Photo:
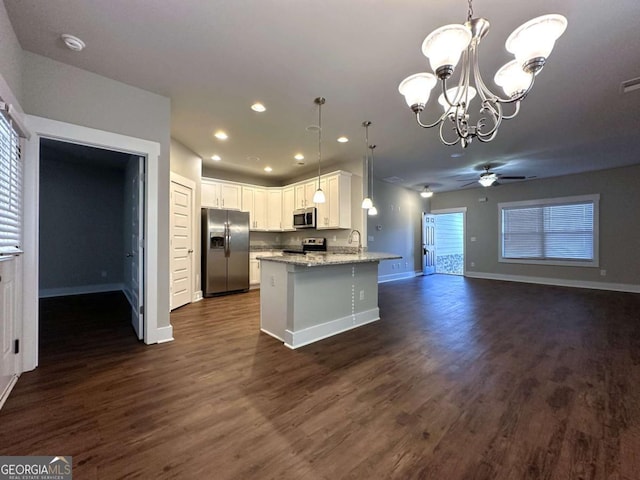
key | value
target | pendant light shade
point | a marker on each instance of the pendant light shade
(367, 203)
(319, 197)
(372, 212)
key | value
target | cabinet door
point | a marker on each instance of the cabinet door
(300, 196)
(322, 218)
(260, 208)
(230, 195)
(254, 272)
(288, 206)
(247, 205)
(309, 189)
(209, 197)
(333, 205)
(274, 210)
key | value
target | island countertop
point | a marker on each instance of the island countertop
(318, 259)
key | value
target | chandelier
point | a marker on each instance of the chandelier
(531, 44)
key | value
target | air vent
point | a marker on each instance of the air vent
(630, 85)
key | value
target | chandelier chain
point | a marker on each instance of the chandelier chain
(470, 11)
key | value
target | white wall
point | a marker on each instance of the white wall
(619, 225)
(10, 56)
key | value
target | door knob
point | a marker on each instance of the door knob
(190, 250)
(129, 254)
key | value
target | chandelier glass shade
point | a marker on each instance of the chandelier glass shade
(426, 192)
(488, 179)
(445, 47)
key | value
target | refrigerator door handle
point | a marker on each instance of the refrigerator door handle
(227, 240)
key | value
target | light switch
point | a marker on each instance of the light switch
(473, 239)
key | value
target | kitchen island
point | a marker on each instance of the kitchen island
(305, 298)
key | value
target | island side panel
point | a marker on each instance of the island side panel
(273, 298)
(326, 301)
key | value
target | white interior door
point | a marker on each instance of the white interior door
(137, 250)
(8, 363)
(428, 244)
(181, 244)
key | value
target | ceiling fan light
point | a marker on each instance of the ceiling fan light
(512, 78)
(455, 97)
(416, 88)
(444, 45)
(372, 212)
(319, 197)
(367, 203)
(536, 38)
(487, 180)
(426, 193)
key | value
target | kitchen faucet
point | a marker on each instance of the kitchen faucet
(350, 240)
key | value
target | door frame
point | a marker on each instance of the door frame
(462, 210)
(196, 293)
(46, 128)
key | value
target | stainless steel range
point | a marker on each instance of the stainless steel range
(312, 244)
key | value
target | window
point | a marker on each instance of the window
(558, 231)
(10, 189)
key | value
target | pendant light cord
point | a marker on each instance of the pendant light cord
(320, 101)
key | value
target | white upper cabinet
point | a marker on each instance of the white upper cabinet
(304, 194)
(288, 206)
(217, 194)
(336, 211)
(254, 201)
(274, 209)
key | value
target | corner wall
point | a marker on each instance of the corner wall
(619, 225)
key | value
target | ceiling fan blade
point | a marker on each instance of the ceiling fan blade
(466, 179)
(512, 178)
(467, 184)
(495, 184)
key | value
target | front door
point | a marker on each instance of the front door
(181, 244)
(428, 244)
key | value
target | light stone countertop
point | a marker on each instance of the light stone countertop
(319, 259)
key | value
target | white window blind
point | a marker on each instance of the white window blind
(553, 231)
(10, 189)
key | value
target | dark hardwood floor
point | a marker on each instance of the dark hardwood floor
(461, 379)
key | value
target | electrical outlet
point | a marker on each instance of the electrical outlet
(335, 238)
(361, 294)
(273, 280)
(473, 264)
(103, 274)
(370, 238)
(473, 239)
(603, 273)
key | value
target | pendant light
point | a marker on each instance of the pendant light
(318, 197)
(366, 202)
(373, 211)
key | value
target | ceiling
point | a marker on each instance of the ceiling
(214, 59)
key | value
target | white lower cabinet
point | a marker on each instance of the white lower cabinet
(254, 271)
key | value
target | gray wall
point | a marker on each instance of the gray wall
(81, 224)
(10, 55)
(186, 163)
(619, 226)
(399, 217)
(58, 91)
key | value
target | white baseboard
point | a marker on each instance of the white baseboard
(7, 391)
(309, 335)
(559, 282)
(197, 296)
(397, 276)
(272, 334)
(80, 290)
(164, 334)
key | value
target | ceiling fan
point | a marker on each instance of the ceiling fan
(490, 179)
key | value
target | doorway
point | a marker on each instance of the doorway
(91, 216)
(443, 234)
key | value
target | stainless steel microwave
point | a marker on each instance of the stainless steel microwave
(304, 218)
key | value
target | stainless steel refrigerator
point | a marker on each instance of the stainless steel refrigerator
(225, 251)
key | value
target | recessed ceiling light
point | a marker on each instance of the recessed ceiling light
(220, 135)
(216, 158)
(258, 107)
(268, 169)
(72, 42)
(299, 156)
(343, 139)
